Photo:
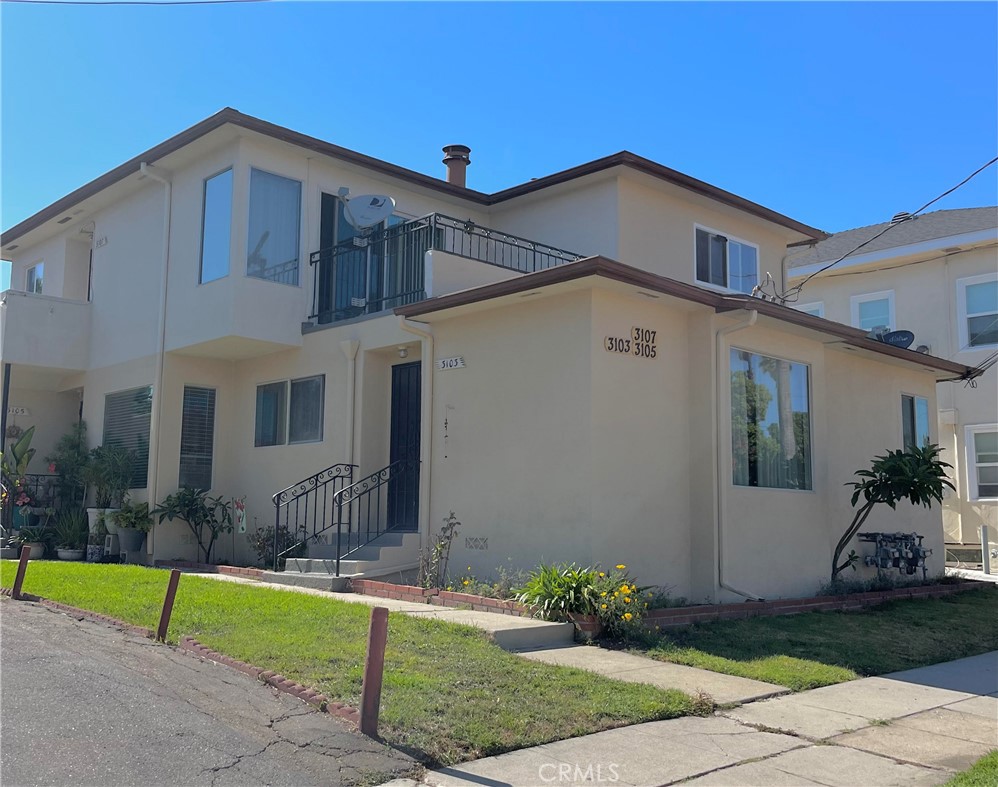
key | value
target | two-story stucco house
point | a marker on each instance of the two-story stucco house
(574, 365)
(935, 275)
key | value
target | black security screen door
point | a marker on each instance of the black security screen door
(403, 488)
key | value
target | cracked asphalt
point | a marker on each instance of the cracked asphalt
(83, 703)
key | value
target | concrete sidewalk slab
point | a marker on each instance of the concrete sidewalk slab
(794, 716)
(837, 766)
(932, 749)
(955, 724)
(979, 706)
(725, 689)
(973, 675)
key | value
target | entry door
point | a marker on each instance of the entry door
(403, 487)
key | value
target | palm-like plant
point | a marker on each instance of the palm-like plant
(916, 475)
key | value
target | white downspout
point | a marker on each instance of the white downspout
(720, 367)
(350, 348)
(162, 176)
(426, 439)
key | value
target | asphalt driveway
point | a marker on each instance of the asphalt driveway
(82, 703)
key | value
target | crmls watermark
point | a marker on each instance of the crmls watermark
(593, 773)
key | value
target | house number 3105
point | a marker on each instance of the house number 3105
(641, 343)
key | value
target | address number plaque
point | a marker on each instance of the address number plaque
(640, 343)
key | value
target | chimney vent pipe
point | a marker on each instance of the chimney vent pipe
(457, 158)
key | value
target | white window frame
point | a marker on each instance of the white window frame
(204, 205)
(27, 274)
(856, 300)
(971, 454)
(730, 237)
(916, 398)
(817, 306)
(961, 308)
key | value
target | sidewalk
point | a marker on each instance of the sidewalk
(908, 728)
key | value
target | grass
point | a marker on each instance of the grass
(821, 648)
(983, 773)
(449, 693)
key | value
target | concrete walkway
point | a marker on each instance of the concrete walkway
(553, 643)
(908, 728)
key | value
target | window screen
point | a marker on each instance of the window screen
(127, 416)
(306, 410)
(197, 433)
(271, 413)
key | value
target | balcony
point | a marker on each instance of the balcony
(416, 260)
(39, 330)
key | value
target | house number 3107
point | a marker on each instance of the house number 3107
(641, 343)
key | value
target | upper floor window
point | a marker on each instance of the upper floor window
(216, 223)
(274, 222)
(816, 309)
(770, 422)
(726, 262)
(914, 422)
(982, 467)
(977, 303)
(33, 279)
(873, 310)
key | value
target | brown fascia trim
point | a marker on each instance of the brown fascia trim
(283, 134)
(618, 271)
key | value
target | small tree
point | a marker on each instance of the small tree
(207, 517)
(916, 475)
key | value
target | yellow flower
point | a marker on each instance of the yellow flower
(602, 574)
(469, 568)
(621, 566)
(466, 583)
(624, 589)
(627, 599)
(602, 606)
(628, 616)
(603, 594)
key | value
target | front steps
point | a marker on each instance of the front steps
(389, 554)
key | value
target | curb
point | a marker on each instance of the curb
(190, 645)
(306, 694)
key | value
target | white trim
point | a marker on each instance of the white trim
(971, 454)
(816, 308)
(894, 252)
(204, 206)
(856, 300)
(33, 267)
(961, 310)
(736, 239)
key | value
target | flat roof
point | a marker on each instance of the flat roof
(720, 302)
(234, 117)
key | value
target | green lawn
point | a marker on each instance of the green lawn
(983, 773)
(820, 648)
(449, 693)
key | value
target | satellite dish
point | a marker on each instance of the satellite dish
(368, 210)
(902, 339)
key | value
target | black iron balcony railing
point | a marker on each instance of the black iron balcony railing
(386, 269)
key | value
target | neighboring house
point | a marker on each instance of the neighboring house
(213, 309)
(935, 275)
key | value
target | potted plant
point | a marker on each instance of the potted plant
(95, 542)
(132, 521)
(37, 538)
(70, 534)
(109, 472)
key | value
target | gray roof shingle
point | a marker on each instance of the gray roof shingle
(928, 226)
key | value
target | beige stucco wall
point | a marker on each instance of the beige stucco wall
(52, 413)
(925, 302)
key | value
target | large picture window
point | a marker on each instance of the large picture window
(216, 223)
(274, 221)
(197, 437)
(770, 422)
(726, 262)
(127, 415)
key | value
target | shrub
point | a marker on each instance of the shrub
(619, 602)
(556, 591)
(262, 542)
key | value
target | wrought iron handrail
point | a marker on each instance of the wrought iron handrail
(385, 269)
(304, 498)
(398, 484)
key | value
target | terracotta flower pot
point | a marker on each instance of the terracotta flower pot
(587, 627)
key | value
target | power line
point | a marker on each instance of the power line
(133, 2)
(794, 292)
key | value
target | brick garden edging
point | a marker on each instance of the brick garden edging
(672, 617)
(211, 568)
(274, 679)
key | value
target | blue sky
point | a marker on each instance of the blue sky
(838, 115)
